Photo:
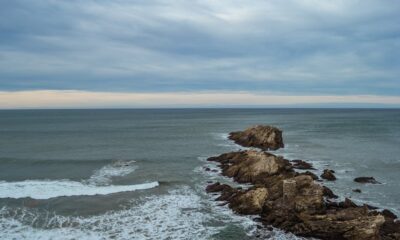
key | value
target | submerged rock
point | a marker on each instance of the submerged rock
(328, 175)
(260, 136)
(366, 180)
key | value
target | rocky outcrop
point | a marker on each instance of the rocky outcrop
(250, 166)
(295, 201)
(300, 164)
(260, 136)
(366, 180)
(328, 175)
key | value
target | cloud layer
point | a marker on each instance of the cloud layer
(290, 47)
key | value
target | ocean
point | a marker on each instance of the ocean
(140, 174)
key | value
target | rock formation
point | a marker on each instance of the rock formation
(366, 180)
(260, 136)
(300, 164)
(328, 175)
(294, 201)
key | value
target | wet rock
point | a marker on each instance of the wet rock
(328, 192)
(217, 187)
(207, 169)
(328, 175)
(300, 164)
(260, 136)
(357, 190)
(366, 180)
(388, 214)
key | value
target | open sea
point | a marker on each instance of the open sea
(139, 174)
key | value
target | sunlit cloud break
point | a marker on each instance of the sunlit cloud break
(87, 99)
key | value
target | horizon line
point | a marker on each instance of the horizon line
(78, 99)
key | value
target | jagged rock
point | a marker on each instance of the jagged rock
(251, 165)
(328, 175)
(249, 202)
(328, 192)
(389, 214)
(366, 180)
(217, 187)
(339, 225)
(347, 204)
(357, 190)
(300, 164)
(260, 136)
(315, 177)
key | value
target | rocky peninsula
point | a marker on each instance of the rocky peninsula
(290, 200)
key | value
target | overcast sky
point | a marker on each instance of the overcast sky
(306, 49)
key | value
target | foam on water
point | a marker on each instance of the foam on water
(180, 214)
(119, 168)
(39, 189)
(98, 184)
(175, 215)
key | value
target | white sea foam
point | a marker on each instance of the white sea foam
(180, 214)
(39, 189)
(98, 184)
(119, 168)
(175, 215)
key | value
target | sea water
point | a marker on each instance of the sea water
(139, 174)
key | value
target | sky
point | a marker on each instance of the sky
(157, 53)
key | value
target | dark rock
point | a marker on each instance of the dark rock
(207, 169)
(349, 204)
(388, 214)
(328, 175)
(260, 136)
(315, 177)
(217, 187)
(328, 193)
(300, 164)
(366, 180)
(370, 207)
(357, 190)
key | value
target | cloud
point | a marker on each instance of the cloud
(85, 99)
(302, 47)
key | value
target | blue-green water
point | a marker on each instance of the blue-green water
(138, 174)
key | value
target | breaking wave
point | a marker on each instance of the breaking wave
(46, 189)
(98, 184)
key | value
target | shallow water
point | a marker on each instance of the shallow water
(139, 174)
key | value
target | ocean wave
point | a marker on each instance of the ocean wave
(180, 214)
(118, 168)
(175, 215)
(45, 189)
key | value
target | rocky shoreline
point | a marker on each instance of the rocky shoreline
(294, 201)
